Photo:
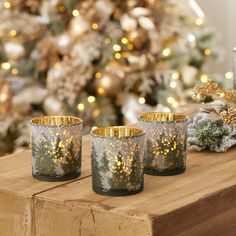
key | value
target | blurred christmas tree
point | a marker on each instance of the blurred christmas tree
(104, 61)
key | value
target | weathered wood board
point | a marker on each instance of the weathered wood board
(202, 201)
(17, 189)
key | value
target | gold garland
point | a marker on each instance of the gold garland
(228, 116)
(213, 89)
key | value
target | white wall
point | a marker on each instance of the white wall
(222, 16)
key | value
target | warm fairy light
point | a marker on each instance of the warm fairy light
(130, 46)
(222, 94)
(80, 107)
(75, 12)
(107, 40)
(98, 75)
(175, 75)
(3, 97)
(101, 91)
(91, 99)
(173, 84)
(94, 127)
(124, 40)
(14, 71)
(94, 26)
(204, 78)
(170, 99)
(207, 52)
(96, 113)
(166, 52)
(7, 4)
(175, 104)
(141, 100)
(6, 65)
(12, 33)
(191, 38)
(199, 22)
(117, 55)
(229, 75)
(116, 47)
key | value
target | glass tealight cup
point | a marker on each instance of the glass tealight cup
(56, 143)
(117, 160)
(165, 149)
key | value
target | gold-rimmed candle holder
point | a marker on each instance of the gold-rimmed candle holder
(165, 151)
(56, 147)
(117, 160)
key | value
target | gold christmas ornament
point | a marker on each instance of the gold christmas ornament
(138, 38)
(108, 83)
(5, 98)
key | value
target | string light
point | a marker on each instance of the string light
(96, 113)
(91, 99)
(117, 55)
(94, 127)
(80, 107)
(14, 71)
(207, 52)
(124, 40)
(94, 26)
(130, 46)
(175, 75)
(98, 75)
(229, 75)
(12, 33)
(175, 104)
(173, 84)
(101, 91)
(107, 40)
(204, 78)
(7, 5)
(199, 22)
(6, 65)
(170, 100)
(75, 13)
(166, 52)
(116, 47)
(141, 100)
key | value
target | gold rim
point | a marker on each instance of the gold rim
(117, 132)
(55, 121)
(162, 117)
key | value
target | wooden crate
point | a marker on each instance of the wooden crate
(202, 201)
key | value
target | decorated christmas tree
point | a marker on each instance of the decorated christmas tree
(102, 60)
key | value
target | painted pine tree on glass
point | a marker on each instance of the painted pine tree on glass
(96, 177)
(119, 180)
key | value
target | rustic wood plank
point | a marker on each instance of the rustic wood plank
(17, 187)
(198, 202)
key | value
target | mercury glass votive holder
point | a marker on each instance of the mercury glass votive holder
(56, 143)
(117, 160)
(165, 149)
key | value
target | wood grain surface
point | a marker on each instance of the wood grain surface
(17, 189)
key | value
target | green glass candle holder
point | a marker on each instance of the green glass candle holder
(165, 152)
(56, 147)
(117, 160)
